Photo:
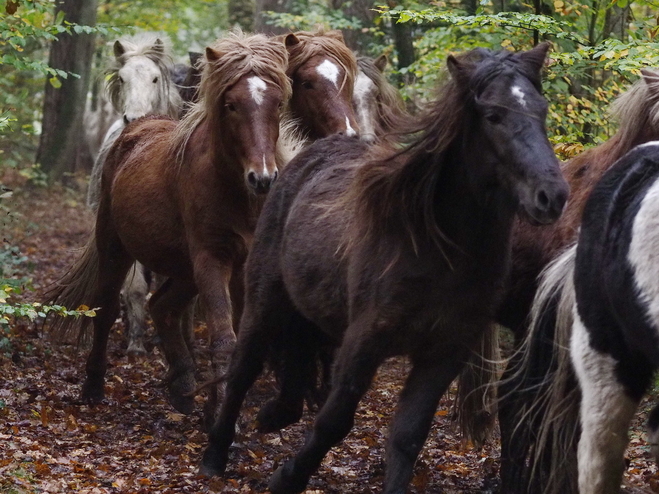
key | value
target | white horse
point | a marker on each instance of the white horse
(139, 83)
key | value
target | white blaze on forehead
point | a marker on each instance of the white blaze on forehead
(519, 94)
(256, 88)
(329, 71)
(363, 86)
(349, 130)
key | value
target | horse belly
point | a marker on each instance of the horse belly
(148, 221)
(313, 272)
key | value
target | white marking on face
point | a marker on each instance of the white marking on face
(364, 88)
(330, 71)
(140, 96)
(349, 130)
(606, 412)
(519, 94)
(257, 87)
(642, 255)
(265, 167)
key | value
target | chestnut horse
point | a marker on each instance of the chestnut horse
(533, 249)
(183, 199)
(392, 252)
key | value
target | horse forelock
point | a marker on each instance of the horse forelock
(238, 56)
(143, 45)
(320, 44)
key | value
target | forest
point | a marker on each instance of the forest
(57, 112)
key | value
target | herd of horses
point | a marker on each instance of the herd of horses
(281, 182)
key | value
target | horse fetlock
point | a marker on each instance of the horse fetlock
(286, 481)
(180, 389)
(214, 461)
(277, 414)
(93, 390)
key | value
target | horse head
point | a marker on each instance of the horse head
(140, 80)
(323, 72)
(507, 128)
(245, 83)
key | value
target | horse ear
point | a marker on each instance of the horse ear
(455, 68)
(119, 49)
(212, 55)
(536, 57)
(336, 34)
(650, 77)
(194, 56)
(381, 62)
(159, 46)
(291, 40)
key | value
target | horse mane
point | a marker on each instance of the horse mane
(237, 55)
(392, 114)
(637, 113)
(398, 187)
(143, 44)
(327, 43)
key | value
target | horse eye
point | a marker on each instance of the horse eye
(121, 79)
(493, 118)
(230, 107)
(155, 79)
(307, 85)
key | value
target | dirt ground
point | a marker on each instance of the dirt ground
(135, 442)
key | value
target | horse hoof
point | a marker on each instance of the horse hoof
(179, 389)
(275, 415)
(283, 481)
(213, 463)
(92, 393)
(136, 350)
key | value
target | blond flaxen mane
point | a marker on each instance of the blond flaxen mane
(236, 55)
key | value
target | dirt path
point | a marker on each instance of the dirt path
(135, 442)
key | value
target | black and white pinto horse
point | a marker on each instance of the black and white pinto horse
(602, 295)
(139, 84)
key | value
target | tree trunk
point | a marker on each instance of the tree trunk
(62, 140)
(261, 6)
(404, 43)
(241, 13)
(357, 39)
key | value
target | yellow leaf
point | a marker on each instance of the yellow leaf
(83, 307)
(558, 4)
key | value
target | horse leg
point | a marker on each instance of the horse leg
(113, 265)
(606, 412)
(135, 290)
(167, 306)
(357, 361)
(415, 411)
(297, 375)
(213, 281)
(266, 306)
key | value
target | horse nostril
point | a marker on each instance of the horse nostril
(542, 200)
(275, 175)
(252, 180)
(126, 121)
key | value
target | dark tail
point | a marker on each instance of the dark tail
(476, 398)
(543, 386)
(74, 289)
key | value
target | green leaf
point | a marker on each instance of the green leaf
(55, 82)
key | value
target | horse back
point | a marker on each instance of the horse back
(616, 281)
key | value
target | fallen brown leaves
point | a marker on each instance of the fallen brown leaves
(136, 443)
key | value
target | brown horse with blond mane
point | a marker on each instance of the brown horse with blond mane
(183, 199)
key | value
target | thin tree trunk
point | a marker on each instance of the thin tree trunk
(62, 132)
(357, 39)
(262, 6)
(241, 13)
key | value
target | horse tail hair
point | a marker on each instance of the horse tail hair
(475, 402)
(547, 391)
(73, 290)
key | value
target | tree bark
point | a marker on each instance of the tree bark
(62, 140)
(261, 6)
(241, 13)
(357, 39)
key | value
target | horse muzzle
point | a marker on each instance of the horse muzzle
(260, 183)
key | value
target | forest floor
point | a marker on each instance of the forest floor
(135, 442)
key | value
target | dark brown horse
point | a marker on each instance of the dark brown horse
(392, 252)
(533, 249)
(183, 199)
